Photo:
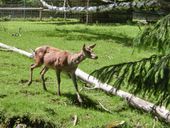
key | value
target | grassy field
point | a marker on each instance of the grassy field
(37, 108)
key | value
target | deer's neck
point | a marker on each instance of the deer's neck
(77, 58)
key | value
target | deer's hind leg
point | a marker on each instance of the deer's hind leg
(58, 72)
(43, 71)
(73, 77)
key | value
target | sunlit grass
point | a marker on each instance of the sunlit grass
(114, 45)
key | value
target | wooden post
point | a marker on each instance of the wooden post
(24, 10)
(87, 13)
(64, 5)
(40, 14)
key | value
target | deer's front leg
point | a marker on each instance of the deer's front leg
(43, 71)
(58, 81)
(73, 76)
(31, 72)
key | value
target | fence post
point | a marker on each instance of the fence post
(40, 13)
(64, 5)
(87, 13)
(24, 9)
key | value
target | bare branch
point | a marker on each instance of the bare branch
(105, 108)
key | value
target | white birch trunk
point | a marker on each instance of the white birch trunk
(16, 50)
(160, 111)
(101, 8)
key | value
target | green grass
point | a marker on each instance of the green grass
(18, 100)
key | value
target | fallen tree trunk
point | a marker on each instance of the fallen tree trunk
(101, 8)
(160, 111)
(16, 50)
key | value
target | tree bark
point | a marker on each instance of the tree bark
(101, 8)
(160, 111)
(16, 50)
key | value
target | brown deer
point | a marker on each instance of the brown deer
(60, 60)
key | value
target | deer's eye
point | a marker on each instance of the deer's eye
(88, 52)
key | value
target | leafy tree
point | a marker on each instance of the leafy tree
(148, 75)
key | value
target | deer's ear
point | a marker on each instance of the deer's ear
(92, 46)
(84, 47)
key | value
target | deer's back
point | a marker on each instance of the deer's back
(58, 60)
(54, 58)
(41, 51)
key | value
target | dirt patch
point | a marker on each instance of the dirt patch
(23, 81)
(3, 95)
(25, 122)
(27, 93)
(7, 64)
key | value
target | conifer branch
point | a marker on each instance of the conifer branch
(155, 37)
(148, 75)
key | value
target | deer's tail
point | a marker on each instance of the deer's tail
(32, 53)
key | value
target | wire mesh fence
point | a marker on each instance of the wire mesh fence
(24, 9)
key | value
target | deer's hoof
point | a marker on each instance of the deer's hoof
(45, 89)
(29, 83)
(79, 99)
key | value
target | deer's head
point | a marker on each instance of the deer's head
(88, 51)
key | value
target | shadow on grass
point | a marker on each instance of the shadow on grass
(88, 103)
(86, 34)
(26, 121)
(71, 22)
(61, 23)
